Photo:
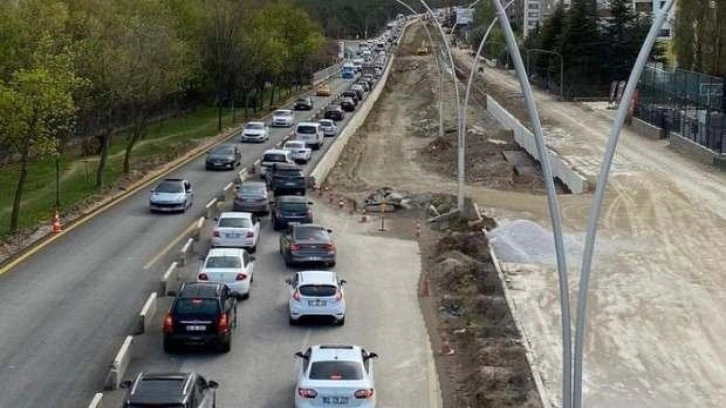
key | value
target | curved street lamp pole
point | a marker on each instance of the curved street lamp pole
(562, 66)
(602, 180)
(552, 201)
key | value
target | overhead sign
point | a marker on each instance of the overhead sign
(464, 16)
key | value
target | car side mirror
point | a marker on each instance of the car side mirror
(300, 354)
(288, 281)
(372, 355)
(216, 218)
(343, 281)
(125, 384)
(252, 258)
(152, 191)
(310, 203)
(213, 384)
(171, 293)
(329, 230)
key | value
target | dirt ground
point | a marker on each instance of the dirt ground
(461, 295)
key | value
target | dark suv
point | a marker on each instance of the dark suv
(179, 390)
(287, 209)
(286, 179)
(305, 103)
(202, 313)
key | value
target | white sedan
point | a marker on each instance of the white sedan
(283, 118)
(232, 266)
(255, 132)
(236, 230)
(328, 127)
(335, 375)
(298, 151)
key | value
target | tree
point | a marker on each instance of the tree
(37, 106)
(580, 48)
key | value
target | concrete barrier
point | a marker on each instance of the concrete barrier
(227, 192)
(327, 73)
(185, 252)
(169, 275)
(210, 210)
(96, 401)
(561, 169)
(146, 314)
(119, 365)
(326, 163)
(197, 231)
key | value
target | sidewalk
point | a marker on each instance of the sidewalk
(655, 311)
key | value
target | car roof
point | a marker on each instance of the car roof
(200, 290)
(258, 184)
(225, 252)
(327, 352)
(292, 199)
(275, 151)
(172, 180)
(318, 277)
(141, 391)
(235, 214)
(283, 111)
(308, 226)
(308, 124)
(256, 123)
(286, 166)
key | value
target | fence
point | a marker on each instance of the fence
(688, 103)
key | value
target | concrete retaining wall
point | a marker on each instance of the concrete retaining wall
(327, 73)
(561, 169)
(646, 129)
(692, 149)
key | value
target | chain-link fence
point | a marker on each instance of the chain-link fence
(688, 103)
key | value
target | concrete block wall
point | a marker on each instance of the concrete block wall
(646, 129)
(692, 149)
(561, 169)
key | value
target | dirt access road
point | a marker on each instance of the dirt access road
(656, 323)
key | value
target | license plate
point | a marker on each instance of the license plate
(196, 328)
(317, 303)
(233, 235)
(289, 183)
(315, 258)
(335, 400)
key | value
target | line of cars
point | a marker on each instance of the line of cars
(204, 312)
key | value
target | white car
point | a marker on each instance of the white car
(255, 132)
(298, 151)
(328, 127)
(271, 157)
(310, 133)
(232, 266)
(283, 118)
(335, 375)
(316, 293)
(236, 230)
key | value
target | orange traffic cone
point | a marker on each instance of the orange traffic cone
(418, 229)
(56, 223)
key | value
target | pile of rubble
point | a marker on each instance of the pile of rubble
(387, 199)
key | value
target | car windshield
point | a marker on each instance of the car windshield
(255, 126)
(292, 206)
(169, 187)
(274, 157)
(196, 307)
(311, 234)
(226, 150)
(233, 222)
(294, 145)
(326, 122)
(336, 370)
(318, 290)
(283, 113)
(144, 405)
(223, 262)
(252, 190)
(288, 173)
(307, 130)
(302, 100)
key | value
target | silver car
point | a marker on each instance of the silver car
(171, 195)
(328, 127)
(255, 132)
(283, 118)
(316, 293)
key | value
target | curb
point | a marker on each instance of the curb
(119, 365)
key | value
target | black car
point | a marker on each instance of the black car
(181, 390)
(307, 243)
(334, 112)
(347, 104)
(287, 209)
(366, 86)
(285, 179)
(202, 313)
(223, 157)
(351, 94)
(303, 104)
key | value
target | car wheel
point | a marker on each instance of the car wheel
(341, 322)
(292, 321)
(168, 346)
(276, 226)
(247, 295)
(331, 264)
(226, 346)
(253, 249)
(288, 262)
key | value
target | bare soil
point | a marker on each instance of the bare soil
(461, 295)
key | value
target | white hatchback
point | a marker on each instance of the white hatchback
(232, 266)
(335, 375)
(236, 230)
(328, 127)
(283, 117)
(298, 151)
(316, 293)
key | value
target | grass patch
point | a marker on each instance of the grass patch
(164, 141)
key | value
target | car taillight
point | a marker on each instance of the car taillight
(294, 247)
(339, 295)
(203, 277)
(223, 324)
(251, 234)
(364, 394)
(168, 323)
(296, 295)
(310, 213)
(215, 234)
(240, 277)
(307, 392)
(330, 247)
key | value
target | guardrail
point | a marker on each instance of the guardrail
(327, 73)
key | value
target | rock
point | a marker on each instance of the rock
(394, 197)
(407, 204)
(420, 199)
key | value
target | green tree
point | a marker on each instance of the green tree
(580, 47)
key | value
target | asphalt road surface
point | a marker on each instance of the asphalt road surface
(67, 309)
(382, 315)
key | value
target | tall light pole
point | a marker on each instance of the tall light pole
(596, 207)
(552, 202)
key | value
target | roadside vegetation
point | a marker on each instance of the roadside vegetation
(92, 90)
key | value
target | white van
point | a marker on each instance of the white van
(311, 133)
